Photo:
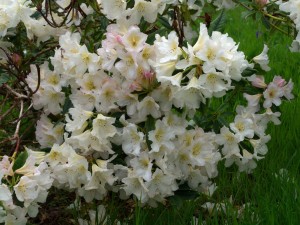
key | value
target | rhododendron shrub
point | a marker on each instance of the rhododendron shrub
(137, 98)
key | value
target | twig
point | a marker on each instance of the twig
(24, 114)
(39, 80)
(16, 135)
(18, 95)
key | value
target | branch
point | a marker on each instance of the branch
(16, 135)
(18, 95)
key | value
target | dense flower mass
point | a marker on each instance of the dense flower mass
(130, 112)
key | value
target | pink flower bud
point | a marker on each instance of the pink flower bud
(258, 81)
(279, 81)
(119, 39)
(148, 75)
(135, 86)
(261, 3)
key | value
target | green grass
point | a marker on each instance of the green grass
(272, 200)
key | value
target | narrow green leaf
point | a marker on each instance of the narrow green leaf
(20, 161)
(149, 125)
(68, 104)
(248, 72)
(265, 22)
(164, 22)
(218, 24)
(247, 14)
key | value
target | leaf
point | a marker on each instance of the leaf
(4, 78)
(164, 22)
(182, 195)
(20, 161)
(265, 22)
(218, 24)
(248, 72)
(246, 14)
(149, 125)
(222, 121)
(68, 104)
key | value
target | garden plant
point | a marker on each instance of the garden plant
(140, 102)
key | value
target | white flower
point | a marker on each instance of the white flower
(83, 100)
(262, 59)
(195, 178)
(102, 127)
(59, 154)
(242, 127)
(87, 143)
(161, 184)
(247, 163)
(96, 185)
(107, 96)
(132, 139)
(272, 95)
(142, 166)
(79, 119)
(229, 141)
(162, 135)
(6, 167)
(113, 9)
(134, 40)
(127, 66)
(168, 49)
(26, 190)
(90, 83)
(259, 145)
(202, 39)
(50, 100)
(47, 133)
(142, 8)
(5, 194)
(190, 95)
(148, 107)
(214, 83)
(134, 184)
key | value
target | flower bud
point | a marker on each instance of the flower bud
(279, 81)
(261, 3)
(258, 81)
(16, 59)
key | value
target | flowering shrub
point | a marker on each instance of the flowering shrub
(134, 97)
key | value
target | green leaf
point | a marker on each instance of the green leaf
(4, 78)
(218, 24)
(164, 22)
(149, 125)
(68, 104)
(182, 195)
(20, 161)
(248, 72)
(265, 22)
(247, 14)
(222, 121)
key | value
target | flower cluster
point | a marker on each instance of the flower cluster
(12, 12)
(124, 117)
(292, 7)
(32, 184)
